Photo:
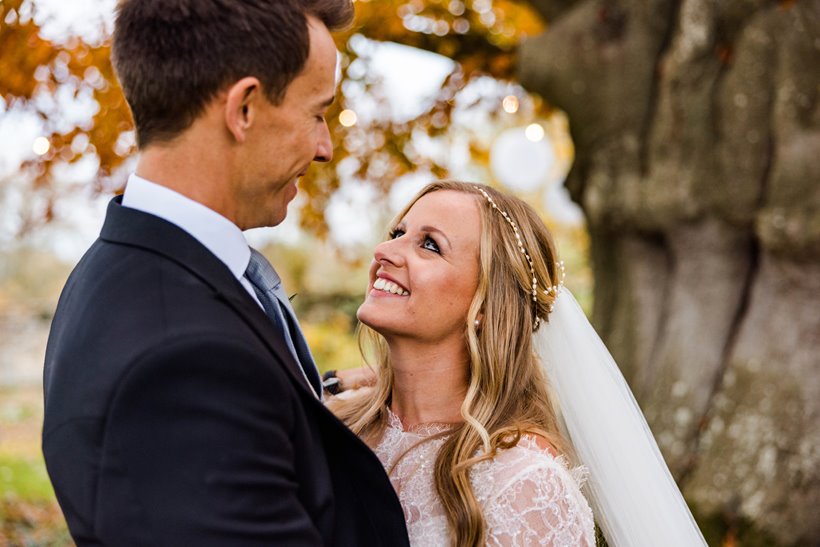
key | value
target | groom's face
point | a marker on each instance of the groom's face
(288, 137)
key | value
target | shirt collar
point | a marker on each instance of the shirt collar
(218, 234)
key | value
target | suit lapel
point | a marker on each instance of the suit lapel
(242, 303)
(127, 226)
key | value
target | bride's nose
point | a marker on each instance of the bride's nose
(389, 252)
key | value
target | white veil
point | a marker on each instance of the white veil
(633, 495)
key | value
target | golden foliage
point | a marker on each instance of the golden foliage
(34, 67)
(479, 35)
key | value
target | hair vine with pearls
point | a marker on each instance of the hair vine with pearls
(552, 289)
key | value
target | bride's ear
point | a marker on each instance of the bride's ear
(479, 319)
(241, 104)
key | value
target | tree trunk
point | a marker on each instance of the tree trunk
(697, 134)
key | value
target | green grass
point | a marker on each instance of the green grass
(24, 479)
(29, 514)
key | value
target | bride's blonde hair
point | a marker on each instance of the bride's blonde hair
(507, 395)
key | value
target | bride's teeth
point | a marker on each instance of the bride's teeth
(383, 284)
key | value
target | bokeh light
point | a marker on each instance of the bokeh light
(41, 146)
(510, 104)
(348, 118)
(534, 132)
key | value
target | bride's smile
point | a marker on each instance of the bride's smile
(391, 287)
(424, 277)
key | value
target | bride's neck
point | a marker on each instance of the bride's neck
(429, 382)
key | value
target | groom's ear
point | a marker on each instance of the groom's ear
(241, 106)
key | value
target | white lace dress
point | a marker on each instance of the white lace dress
(528, 496)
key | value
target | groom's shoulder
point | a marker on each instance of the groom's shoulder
(125, 271)
(120, 267)
(116, 284)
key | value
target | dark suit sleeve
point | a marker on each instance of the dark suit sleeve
(198, 441)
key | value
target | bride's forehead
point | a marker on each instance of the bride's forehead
(455, 215)
(446, 206)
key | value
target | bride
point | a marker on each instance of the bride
(477, 344)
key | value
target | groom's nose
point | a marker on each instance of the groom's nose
(324, 148)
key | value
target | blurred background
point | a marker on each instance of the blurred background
(670, 145)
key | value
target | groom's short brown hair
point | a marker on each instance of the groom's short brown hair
(173, 56)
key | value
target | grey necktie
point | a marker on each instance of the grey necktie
(268, 287)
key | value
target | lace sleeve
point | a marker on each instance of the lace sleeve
(540, 505)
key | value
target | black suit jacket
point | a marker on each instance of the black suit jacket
(175, 414)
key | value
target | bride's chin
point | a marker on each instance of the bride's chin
(372, 323)
(365, 318)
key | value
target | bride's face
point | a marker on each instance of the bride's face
(424, 277)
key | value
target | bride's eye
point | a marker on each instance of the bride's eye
(431, 245)
(395, 232)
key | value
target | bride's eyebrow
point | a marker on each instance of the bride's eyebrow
(433, 230)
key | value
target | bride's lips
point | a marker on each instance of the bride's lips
(386, 277)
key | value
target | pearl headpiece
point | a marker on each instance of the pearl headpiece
(550, 289)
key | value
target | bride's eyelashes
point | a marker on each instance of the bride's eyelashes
(430, 244)
(427, 243)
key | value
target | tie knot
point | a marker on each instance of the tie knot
(261, 273)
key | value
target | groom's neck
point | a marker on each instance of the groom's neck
(196, 164)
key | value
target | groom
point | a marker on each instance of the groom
(181, 405)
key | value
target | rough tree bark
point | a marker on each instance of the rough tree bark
(697, 133)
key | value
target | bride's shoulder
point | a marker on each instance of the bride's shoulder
(532, 460)
(530, 450)
(537, 443)
(533, 486)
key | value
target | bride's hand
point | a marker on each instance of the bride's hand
(355, 378)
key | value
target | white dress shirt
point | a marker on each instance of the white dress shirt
(218, 234)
